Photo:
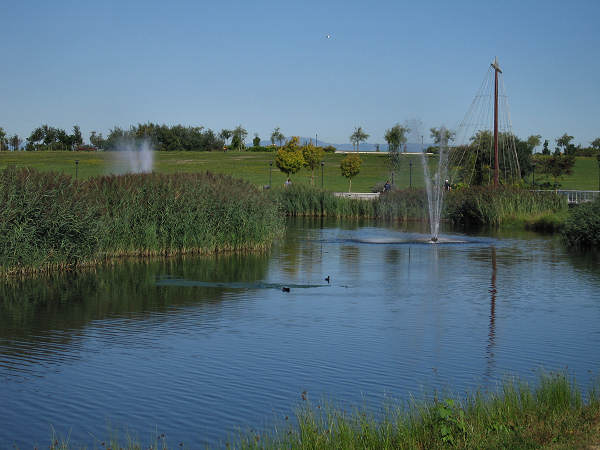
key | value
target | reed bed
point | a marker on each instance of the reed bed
(50, 221)
(301, 200)
(490, 206)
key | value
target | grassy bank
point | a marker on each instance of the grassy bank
(553, 414)
(51, 221)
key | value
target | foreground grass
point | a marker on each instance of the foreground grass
(553, 414)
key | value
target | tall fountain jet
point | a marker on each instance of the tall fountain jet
(436, 184)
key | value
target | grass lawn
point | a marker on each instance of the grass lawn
(584, 176)
(251, 166)
(254, 167)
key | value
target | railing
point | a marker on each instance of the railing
(576, 197)
(358, 195)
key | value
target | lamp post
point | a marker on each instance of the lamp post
(533, 164)
(598, 157)
(322, 165)
(410, 174)
(392, 178)
(76, 166)
(270, 168)
(316, 140)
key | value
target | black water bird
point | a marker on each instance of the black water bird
(285, 289)
(327, 279)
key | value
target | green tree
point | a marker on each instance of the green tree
(97, 140)
(237, 137)
(225, 134)
(256, 140)
(555, 165)
(289, 157)
(596, 144)
(277, 136)
(3, 140)
(350, 167)
(545, 149)
(534, 141)
(563, 142)
(358, 136)
(436, 135)
(395, 137)
(15, 142)
(76, 138)
(312, 157)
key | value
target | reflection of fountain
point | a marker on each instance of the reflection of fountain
(436, 185)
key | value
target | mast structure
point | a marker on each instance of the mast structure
(496, 159)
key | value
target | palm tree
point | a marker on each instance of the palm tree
(358, 136)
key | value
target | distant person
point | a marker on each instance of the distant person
(288, 182)
(387, 186)
(447, 185)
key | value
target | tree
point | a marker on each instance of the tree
(545, 149)
(312, 157)
(350, 167)
(3, 141)
(534, 141)
(256, 140)
(276, 135)
(238, 136)
(436, 135)
(289, 158)
(563, 142)
(97, 140)
(395, 137)
(15, 142)
(225, 135)
(596, 144)
(555, 165)
(76, 139)
(358, 136)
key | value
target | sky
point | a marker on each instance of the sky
(263, 64)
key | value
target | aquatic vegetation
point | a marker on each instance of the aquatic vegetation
(49, 220)
(489, 206)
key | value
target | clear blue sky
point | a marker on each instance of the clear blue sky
(268, 63)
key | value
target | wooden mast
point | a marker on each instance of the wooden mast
(496, 161)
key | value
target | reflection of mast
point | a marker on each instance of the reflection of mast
(492, 325)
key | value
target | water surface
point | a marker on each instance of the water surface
(198, 348)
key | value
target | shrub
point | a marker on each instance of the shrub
(582, 227)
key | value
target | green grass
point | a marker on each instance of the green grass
(553, 414)
(254, 167)
(582, 227)
(250, 166)
(583, 178)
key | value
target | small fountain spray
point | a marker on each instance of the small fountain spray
(436, 184)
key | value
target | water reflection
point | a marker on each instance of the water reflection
(41, 317)
(492, 324)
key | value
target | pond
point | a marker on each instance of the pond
(201, 347)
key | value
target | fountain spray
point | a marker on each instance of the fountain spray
(436, 184)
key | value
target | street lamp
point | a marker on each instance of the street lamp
(270, 168)
(76, 166)
(322, 165)
(410, 173)
(598, 157)
(316, 140)
(533, 164)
